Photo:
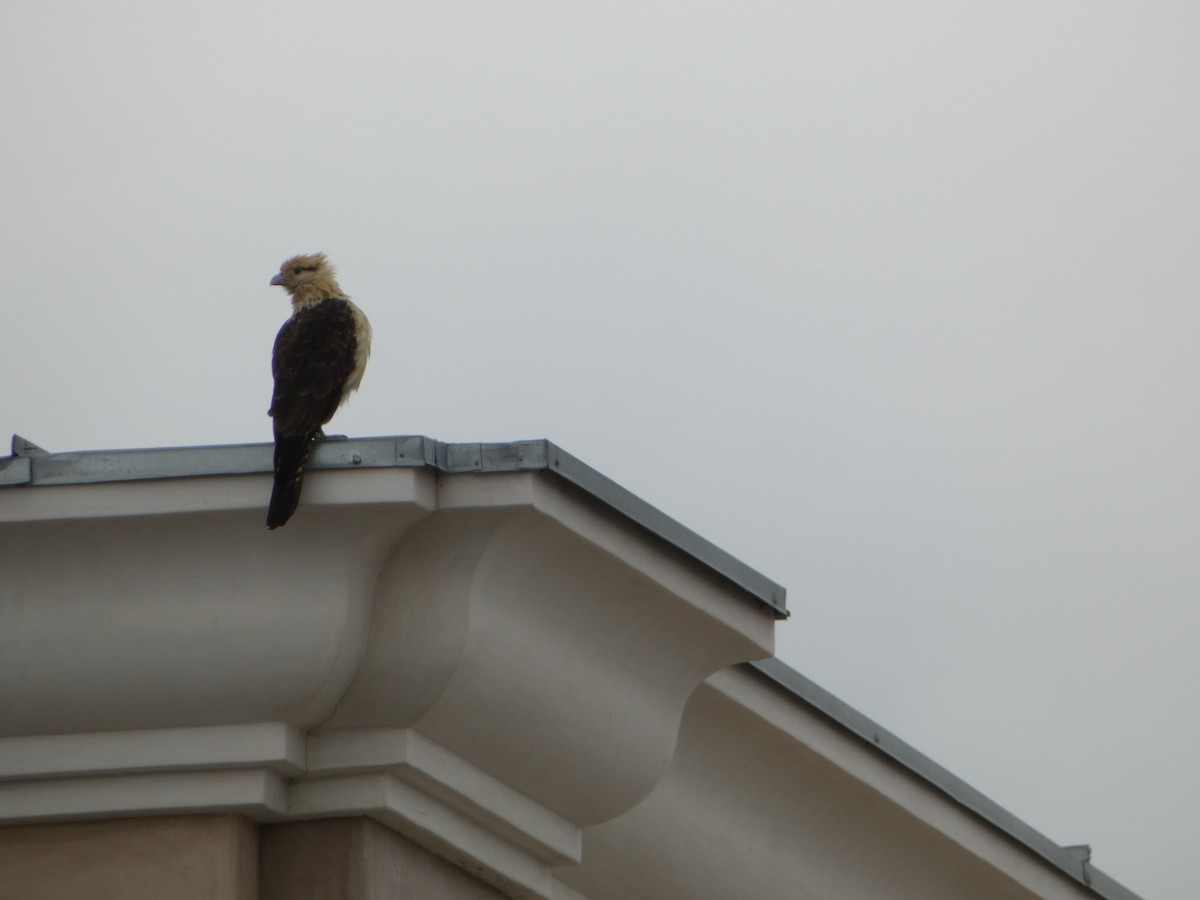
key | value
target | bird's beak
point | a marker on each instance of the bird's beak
(277, 279)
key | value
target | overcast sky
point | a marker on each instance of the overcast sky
(895, 302)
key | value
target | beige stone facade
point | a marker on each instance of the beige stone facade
(225, 858)
(160, 858)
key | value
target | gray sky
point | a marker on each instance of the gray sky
(895, 302)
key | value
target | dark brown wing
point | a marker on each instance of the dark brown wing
(313, 357)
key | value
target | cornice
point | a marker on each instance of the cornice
(486, 662)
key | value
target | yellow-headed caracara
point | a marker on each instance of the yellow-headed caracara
(319, 357)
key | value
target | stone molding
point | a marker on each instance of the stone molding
(487, 664)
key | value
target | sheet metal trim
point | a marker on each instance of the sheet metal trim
(1067, 859)
(92, 466)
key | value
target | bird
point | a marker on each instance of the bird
(318, 360)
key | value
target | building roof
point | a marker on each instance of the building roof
(1074, 861)
(30, 465)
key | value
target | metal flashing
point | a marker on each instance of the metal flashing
(93, 466)
(23, 447)
(566, 466)
(1072, 861)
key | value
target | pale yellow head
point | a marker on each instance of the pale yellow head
(308, 278)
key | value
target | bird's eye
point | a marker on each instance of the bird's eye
(296, 271)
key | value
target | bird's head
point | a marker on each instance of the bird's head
(309, 275)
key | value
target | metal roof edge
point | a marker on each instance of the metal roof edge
(583, 476)
(1069, 861)
(30, 465)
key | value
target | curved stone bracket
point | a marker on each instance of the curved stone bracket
(523, 631)
(488, 663)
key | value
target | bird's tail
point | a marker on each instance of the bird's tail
(291, 455)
